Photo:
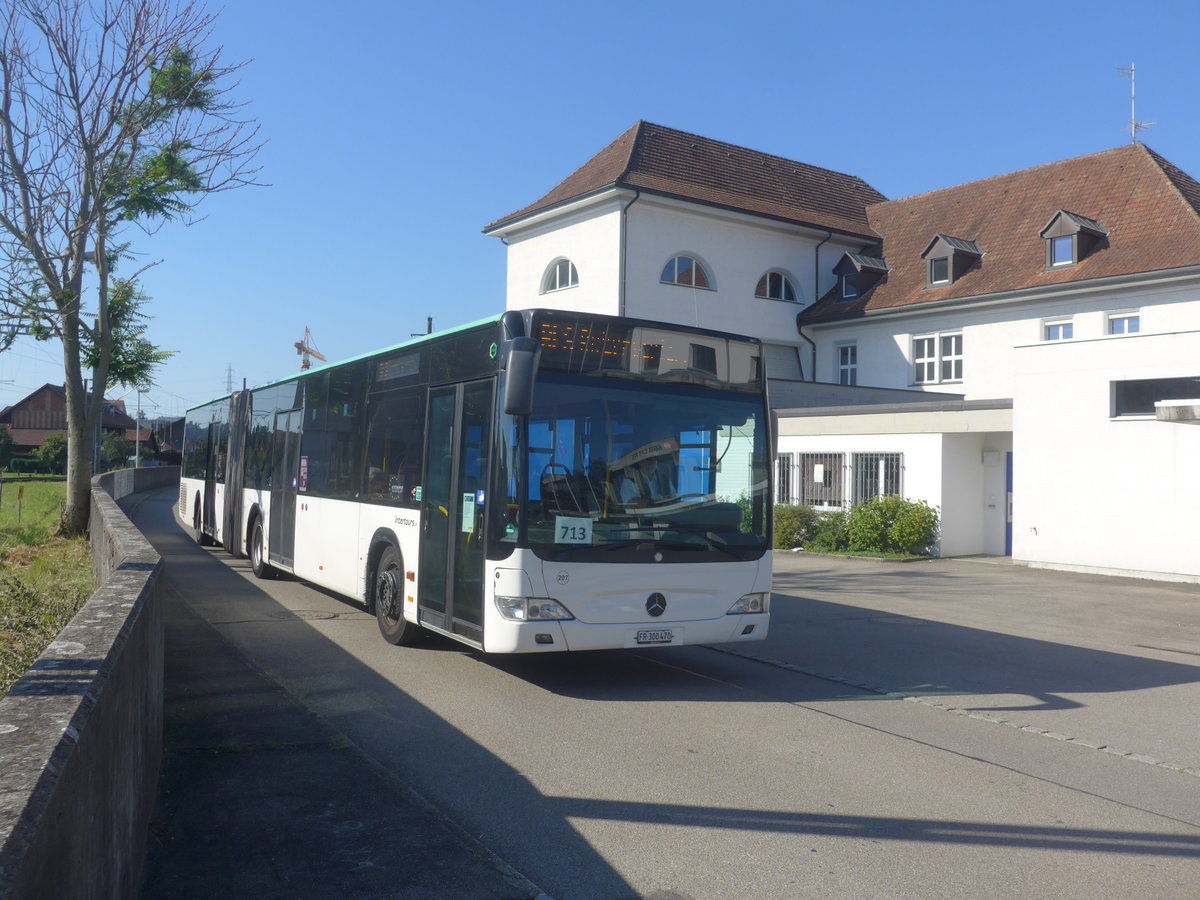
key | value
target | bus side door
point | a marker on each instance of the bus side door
(284, 482)
(454, 496)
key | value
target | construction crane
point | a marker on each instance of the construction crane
(305, 348)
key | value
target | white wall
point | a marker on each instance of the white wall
(948, 470)
(1096, 493)
(991, 333)
(590, 238)
(737, 250)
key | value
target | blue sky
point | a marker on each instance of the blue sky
(396, 131)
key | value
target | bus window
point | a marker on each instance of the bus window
(393, 465)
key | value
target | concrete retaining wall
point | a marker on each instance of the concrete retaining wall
(81, 732)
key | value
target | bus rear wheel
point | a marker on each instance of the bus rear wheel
(389, 600)
(257, 548)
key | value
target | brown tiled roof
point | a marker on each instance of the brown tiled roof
(662, 160)
(1150, 208)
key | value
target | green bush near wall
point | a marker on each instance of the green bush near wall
(881, 525)
(794, 526)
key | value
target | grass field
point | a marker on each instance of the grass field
(44, 579)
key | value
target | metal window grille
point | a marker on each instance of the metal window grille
(877, 475)
(837, 480)
(822, 479)
(785, 471)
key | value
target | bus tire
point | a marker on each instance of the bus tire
(257, 552)
(201, 538)
(388, 600)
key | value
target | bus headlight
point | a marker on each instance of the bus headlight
(531, 609)
(751, 603)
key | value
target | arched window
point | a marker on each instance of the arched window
(775, 286)
(687, 271)
(561, 274)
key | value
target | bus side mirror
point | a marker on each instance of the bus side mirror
(521, 371)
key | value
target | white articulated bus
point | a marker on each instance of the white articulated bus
(540, 481)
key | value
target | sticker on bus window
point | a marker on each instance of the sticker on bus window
(572, 530)
(468, 513)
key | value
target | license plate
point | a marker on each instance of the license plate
(662, 636)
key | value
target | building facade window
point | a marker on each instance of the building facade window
(1124, 323)
(937, 358)
(849, 286)
(562, 274)
(1062, 330)
(847, 363)
(774, 285)
(950, 351)
(686, 271)
(1137, 398)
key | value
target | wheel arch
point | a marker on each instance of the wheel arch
(251, 517)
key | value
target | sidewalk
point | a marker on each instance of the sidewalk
(263, 800)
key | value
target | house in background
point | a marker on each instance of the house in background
(1008, 350)
(44, 412)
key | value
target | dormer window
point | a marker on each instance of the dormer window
(857, 273)
(949, 258)
(1070, 238)
(1062, 251)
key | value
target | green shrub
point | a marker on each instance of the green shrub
(892, 524)
(915, 527)
(21, 465)
(52, 454)
(831, 532)
(794, 525)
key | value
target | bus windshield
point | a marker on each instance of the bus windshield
(629, 471)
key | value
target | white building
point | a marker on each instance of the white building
(994, 348)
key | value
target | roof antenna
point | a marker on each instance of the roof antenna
(1134, 125)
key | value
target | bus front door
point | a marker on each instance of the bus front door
(453, 501)
(285, 475)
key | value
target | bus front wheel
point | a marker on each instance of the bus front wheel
(389, 600)
(257, 548)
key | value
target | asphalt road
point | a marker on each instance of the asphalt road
(936, 729)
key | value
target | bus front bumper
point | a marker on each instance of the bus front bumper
(552, 636)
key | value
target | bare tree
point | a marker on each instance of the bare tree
(112, 113)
